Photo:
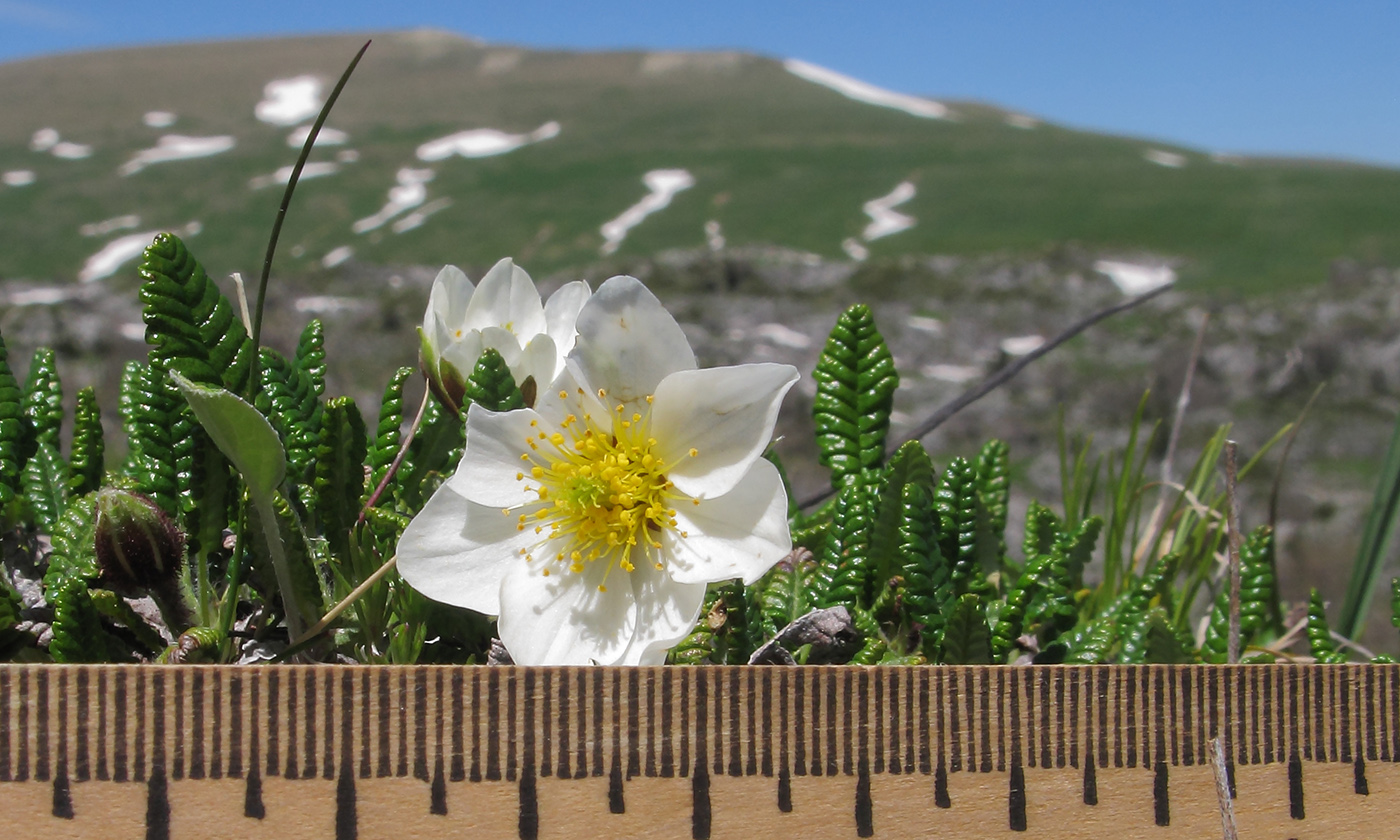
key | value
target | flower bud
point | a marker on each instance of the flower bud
(137, 544)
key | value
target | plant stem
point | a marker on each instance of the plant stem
(282, 213)
(1232, 507)
(354, 596)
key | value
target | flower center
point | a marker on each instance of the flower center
(603, 492)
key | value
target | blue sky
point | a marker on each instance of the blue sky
(1281, 77)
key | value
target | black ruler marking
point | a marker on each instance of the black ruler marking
(493, 714)
(764, 690)
(800, 715)
(1159, 720)
(347, 823)
(865, 817)
(1161, 805)
(1076, 684)
(984, 701)
(157, 804)
(41, 727)
(597, 739)
(785, 761)
(1295, 788)
(1012, 698)
(734, 729)
(687, 680)
(475, 775)
(547, 715)
(458, 771)
(1130, 683)
(1347, 694)
(925, 756)
(1016, 797)
(649, 763)
(103, 771)
(830, 698)
(634, 693)
(158, 728)
(402, 703)
(329, 766)
(881, 715)
(6, 701)
(1183, 710)
(81, 759)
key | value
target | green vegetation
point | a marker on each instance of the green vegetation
(777, 160)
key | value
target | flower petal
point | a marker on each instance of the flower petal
(740, 534)
(538, 359)
(456, 552)
(447, 301)
(628, 342)
(562, 618)
(506, 297)
(725, 414)
(496, 440)
(666, 613)
(561, 313)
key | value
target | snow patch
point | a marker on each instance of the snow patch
(500, 61)
(289, 101)
(158, 119)
(855, 250)
(325, 137)
(336, 256)
(884, 219)
(1161, 157)
(112, 225)
(347, 155)
(419, 216)
(122, 250)
(71, 151)
(176, 147)
(1022, 345)
(866, 92)
(283, 175)
(44, 139)
(1021, 121)
(407, 194)
(18, 178)
(483, 142)
(664, 184)
(1134, 278)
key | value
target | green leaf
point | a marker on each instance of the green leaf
(240, 431)
(78, 634)
(844, 567)
(45, 486)
(856, 381)
(491, 384)
(288, 399)
(340, 473)
(434, 453)
(14, 430)
(966, 638)
(926, 575)
(190, 325)
(88, 448)
(1161, 645)
(388, 436)
(959, 512)
(43, 398)
(1257, 599)
(1320, 643)
(114, 608)
(994, 489)
(310, 356)
(151, 411)
(910, 464)
(74, 555)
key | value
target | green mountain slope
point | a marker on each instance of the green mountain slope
(775, 159)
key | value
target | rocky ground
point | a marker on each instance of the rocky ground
(949, 323)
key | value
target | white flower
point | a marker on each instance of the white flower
(503, 313)
(592, 523)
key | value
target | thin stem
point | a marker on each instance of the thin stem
(398, 459)
(282, 212)
(1222, 791)
(1232, 505)
(267, 518)
(358, 593)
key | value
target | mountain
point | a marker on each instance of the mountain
(444, 149)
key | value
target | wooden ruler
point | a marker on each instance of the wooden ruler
(746, 752)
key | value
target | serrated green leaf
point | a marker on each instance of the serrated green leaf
(78, 634)
(85, 464)
(190, 325)
(14, 429)
(43, 399)
(856, 381)
(340, 476)
(288, 399)
(967, 640)
(310, 356)
(388, 437)
(491, 384)
(45, 486)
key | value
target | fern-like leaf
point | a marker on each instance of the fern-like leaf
(384, 448)
(78, 634)
(967, 640)
(994, 488)
(856, 381)
(14, 430)
(85, 462)
(190, 325)
(959, 512)
(310, 357)
(288, 399)
(491, 384)
(927, 585)
(45, 487)
(1320, 643)
(43, 398)
(844, 565)
(151, 410)
(74, 540)
(431, 457)
(340, 475)
(1257, 590)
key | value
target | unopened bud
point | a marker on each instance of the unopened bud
(137, 544)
